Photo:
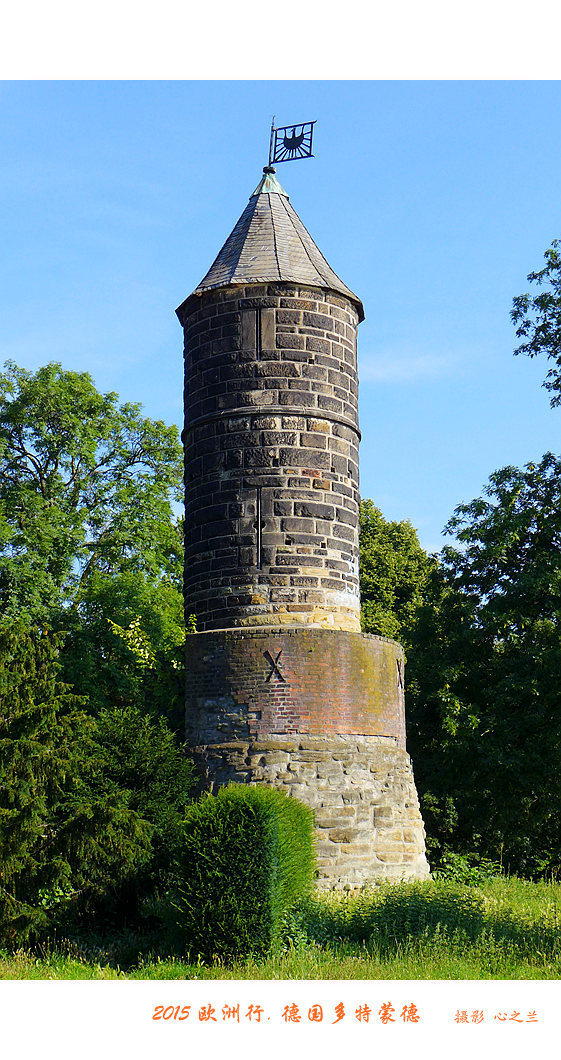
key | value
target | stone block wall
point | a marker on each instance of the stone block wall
(271, 458)
(361, 788)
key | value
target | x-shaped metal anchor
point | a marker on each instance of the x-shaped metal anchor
(275, 669)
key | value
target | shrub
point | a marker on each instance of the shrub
(471, 870)
(247, 857)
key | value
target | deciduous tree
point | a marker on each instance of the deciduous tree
(394, 572)
(88, 534)
(538, 319)
(485, 675)
(86, 485)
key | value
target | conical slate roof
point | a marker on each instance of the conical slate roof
(270, 244)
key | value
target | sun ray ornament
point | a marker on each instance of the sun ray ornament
(291, 141)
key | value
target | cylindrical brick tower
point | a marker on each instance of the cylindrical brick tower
(282, 687)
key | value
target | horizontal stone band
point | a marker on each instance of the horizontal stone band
(274, 410)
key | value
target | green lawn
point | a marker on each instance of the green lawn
(502, 929)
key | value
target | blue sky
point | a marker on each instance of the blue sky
(432, 200)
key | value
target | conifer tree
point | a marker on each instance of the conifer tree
(61, 840)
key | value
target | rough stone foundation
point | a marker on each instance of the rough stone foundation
(361, 788)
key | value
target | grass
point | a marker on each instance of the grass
(503, 928)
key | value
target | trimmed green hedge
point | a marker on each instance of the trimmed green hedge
(248, 855)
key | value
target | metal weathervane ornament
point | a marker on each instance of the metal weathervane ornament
(292, 141)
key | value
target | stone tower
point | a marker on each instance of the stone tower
(282, 687)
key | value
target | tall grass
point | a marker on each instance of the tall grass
(504, 928)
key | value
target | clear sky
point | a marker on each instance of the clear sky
(432, 200)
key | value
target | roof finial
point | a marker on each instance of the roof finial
(269, 184)
(268, 168)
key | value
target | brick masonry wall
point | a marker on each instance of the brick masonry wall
(245, 684)
(271, 458)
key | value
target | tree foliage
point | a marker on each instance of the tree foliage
(91, 809)
(93, 785)
(485, 674)
(125, 644)
(88, 535)
(138, 757)
(64, 836)
(394, 572)
(86, 485)
(538, 319)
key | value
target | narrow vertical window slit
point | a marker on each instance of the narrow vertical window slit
(258, 346)
(258, 522)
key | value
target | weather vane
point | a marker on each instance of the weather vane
(292, 141)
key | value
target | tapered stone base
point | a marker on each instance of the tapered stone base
(269, 708)
(368, 822)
